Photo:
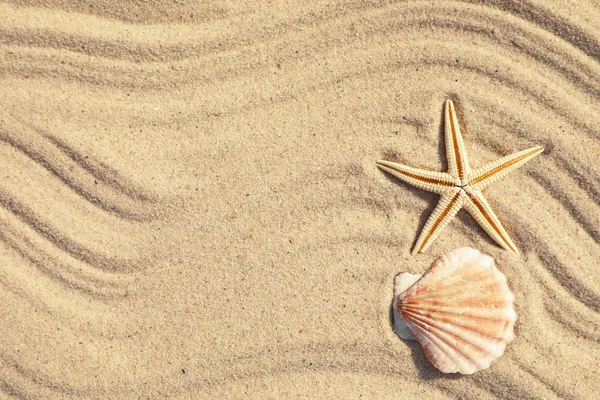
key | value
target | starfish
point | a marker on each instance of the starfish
(460, 186)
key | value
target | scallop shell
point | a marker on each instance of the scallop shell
(460, 310)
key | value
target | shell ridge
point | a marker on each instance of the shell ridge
(477, 323)
(450, 339)
(450, 352)
(436, 351)
(487, 284)
(502, 332)
(473, 338)
(493, 280)
(503, 310)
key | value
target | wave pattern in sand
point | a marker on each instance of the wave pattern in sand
(190, 206)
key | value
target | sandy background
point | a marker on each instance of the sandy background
(190, 206)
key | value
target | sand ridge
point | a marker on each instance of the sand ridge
(190, 205)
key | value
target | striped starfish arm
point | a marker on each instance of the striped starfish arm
(480, 209)
(458, 164)
(449, 204)
(484, 176)
(432, 181)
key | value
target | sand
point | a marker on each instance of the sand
(190, 206)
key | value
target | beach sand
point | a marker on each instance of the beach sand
(190, 206)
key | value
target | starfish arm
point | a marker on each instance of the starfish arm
(458, 164)
(432, 181)
(484, 176)
(479, 208)
(446, 209)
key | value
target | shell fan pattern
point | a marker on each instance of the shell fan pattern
(460, 310)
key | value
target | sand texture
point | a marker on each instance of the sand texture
(190, 206)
